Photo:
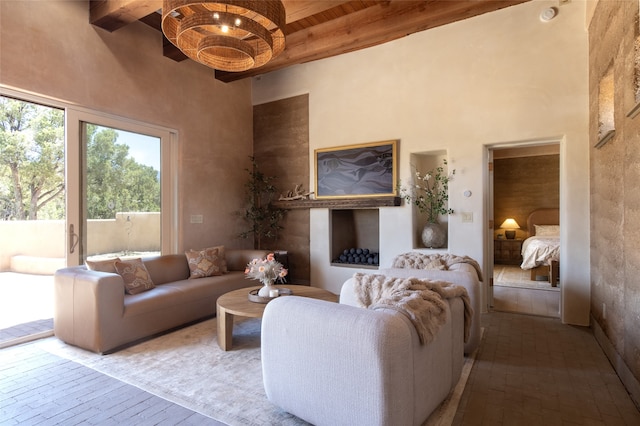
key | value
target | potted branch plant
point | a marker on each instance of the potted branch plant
(430, 194)
(262, 217)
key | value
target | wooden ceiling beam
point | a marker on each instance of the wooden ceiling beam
(320, 28)
(114, 14)
(300, 9)
(368, 27)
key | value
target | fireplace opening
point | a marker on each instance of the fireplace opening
(358, 256)
(355, 238)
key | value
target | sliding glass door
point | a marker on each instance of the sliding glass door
(76, 184)
(32, 210)
(104, 185)
(122, 178)
(122, 193)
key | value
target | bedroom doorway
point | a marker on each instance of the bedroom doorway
(523, 179)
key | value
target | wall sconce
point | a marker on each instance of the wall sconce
(510, 225)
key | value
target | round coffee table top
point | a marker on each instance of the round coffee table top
(237, 302)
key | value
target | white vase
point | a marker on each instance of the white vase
(434, 235)
(264, 291)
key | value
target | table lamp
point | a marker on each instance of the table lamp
(510, 225)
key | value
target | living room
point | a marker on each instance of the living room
(500, 79)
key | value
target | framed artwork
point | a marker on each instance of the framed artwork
(364, 170)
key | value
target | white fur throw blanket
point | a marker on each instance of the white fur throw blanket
(415, 260)
(422, 301)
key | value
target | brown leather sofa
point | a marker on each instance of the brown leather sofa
(93, 312)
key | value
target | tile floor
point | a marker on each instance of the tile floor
(39, 388)
(513, 291)
(532, 370)
(526, 301)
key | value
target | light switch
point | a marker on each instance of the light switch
(467, 217)
(196, 218)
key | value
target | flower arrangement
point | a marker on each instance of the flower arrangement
(430, 193)
(265, 270)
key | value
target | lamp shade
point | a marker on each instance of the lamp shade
(510, 224)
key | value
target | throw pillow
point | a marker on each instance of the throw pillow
(223, 261)
(107, 265)
(135, 275)
(547, 230)
(204, 263)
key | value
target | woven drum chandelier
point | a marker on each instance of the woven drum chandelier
(228, 35)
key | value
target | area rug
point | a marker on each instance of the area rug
(188, 368)
(514, 276)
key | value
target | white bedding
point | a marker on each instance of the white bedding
(538, 251)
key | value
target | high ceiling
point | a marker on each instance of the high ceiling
(316, 29)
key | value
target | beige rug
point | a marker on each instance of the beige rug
(514, 276)
(188, 368)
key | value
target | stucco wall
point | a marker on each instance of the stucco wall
(615, 178)
(498, 78)
(43, 241)
(49, 48)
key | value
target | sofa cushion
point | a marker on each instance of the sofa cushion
(167, 268)
(135, 276)
(185, 292)
(204, 263)
(108, 265)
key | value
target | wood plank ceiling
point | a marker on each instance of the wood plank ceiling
(316, 29)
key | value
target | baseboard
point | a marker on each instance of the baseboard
(25, 339)
(626, 376)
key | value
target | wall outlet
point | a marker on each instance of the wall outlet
(467, 217)
(196, 218)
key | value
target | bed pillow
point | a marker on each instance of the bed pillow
(547, 230)
(108, 265)
(135, 276)
(204, 263)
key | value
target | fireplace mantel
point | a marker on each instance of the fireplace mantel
(340, 203)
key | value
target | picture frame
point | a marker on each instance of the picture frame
(355, 171)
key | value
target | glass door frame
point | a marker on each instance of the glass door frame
(75, 177)
(74, 115)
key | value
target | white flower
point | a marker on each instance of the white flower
(265, 270)
(430, 193)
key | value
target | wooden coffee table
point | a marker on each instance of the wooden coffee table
(237, 303)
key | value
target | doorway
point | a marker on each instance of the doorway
(525, 178)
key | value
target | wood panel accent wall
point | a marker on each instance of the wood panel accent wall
(522, 185)
(281, 149)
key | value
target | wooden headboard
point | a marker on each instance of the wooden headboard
(542, 217)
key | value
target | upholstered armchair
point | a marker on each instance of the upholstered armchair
(336, 364)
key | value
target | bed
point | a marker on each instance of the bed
(541, 250)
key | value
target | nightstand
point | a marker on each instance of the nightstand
(507, 252)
